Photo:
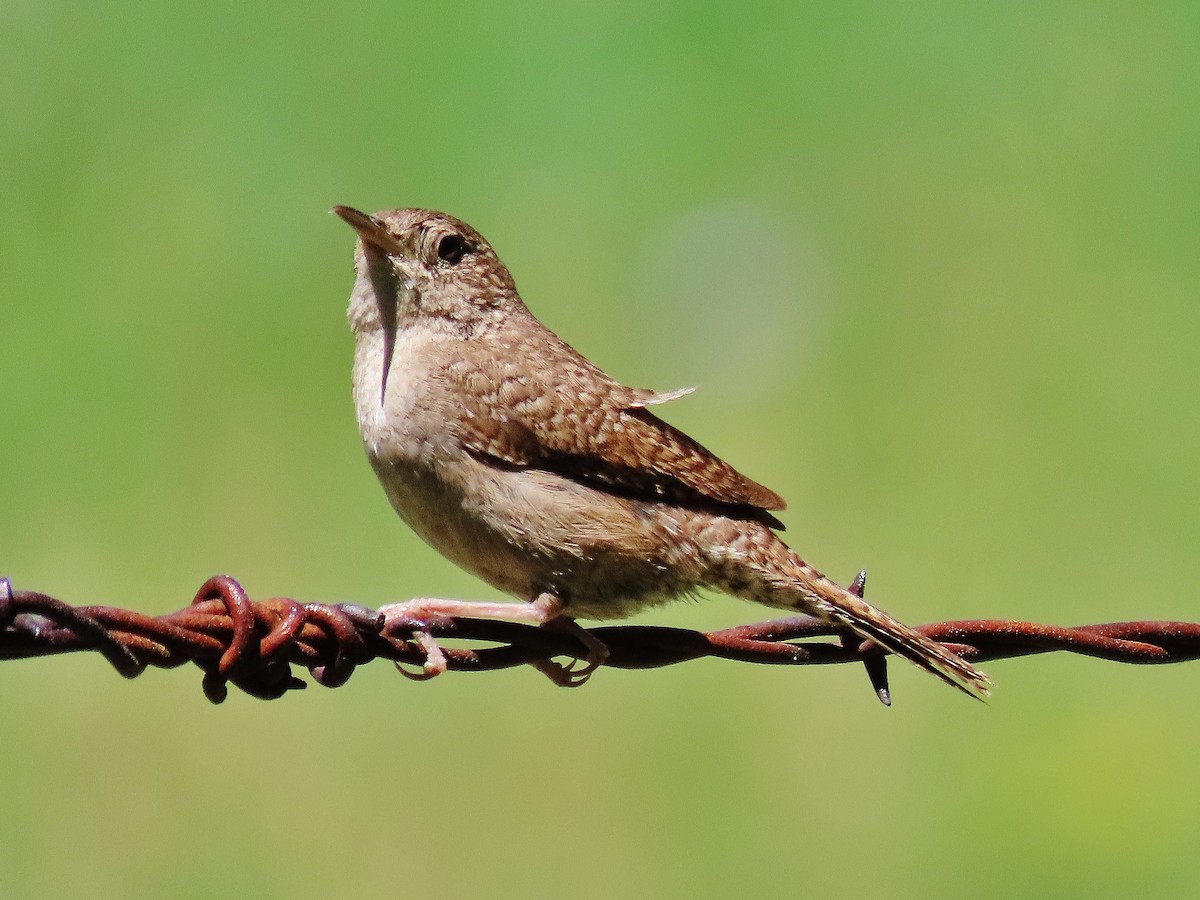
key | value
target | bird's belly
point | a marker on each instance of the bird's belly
(526, 531)
(436, 512)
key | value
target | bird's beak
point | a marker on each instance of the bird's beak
(370, 229)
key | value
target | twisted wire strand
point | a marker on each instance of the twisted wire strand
(256, 645)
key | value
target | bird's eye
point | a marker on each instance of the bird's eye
(452, 248)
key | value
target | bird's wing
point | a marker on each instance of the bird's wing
(565, 415)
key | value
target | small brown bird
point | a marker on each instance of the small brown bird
(525, 464)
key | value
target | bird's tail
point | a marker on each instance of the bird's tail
(874, 624)
(787, 582)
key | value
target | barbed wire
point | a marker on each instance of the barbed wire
(255, 645)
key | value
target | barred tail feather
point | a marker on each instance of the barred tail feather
(760, 567)
(876, 625)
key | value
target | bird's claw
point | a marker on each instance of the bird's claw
(580, 669)
(574, 674)
(435, 657)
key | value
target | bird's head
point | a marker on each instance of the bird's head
(413, 264)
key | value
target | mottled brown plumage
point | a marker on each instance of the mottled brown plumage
(526, 464)
(567, 416)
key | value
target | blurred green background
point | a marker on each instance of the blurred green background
(935, 270)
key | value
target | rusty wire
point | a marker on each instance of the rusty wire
(254, 645)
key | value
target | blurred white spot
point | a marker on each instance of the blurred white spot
(733, 297)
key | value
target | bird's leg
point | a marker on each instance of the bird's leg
(545, 609)
(416, 615)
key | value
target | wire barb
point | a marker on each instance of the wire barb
(255, 645)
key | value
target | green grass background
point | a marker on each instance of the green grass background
(935, 269)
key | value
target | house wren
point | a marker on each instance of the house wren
(525, 464)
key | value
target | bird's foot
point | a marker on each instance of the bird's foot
(577, 672)
(435, 658)
(574, 674)
(416, 617)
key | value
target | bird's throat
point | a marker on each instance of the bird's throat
(387, 288)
